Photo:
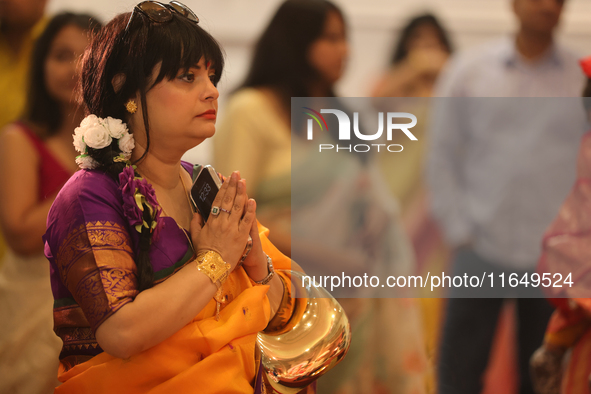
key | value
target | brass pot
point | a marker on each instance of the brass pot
(316, 339)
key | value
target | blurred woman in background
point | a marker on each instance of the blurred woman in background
(302, 53)
(420, 54)
(36, 159)
(565, 251)
(421, 51)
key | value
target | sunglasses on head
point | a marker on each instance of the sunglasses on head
(160, 13)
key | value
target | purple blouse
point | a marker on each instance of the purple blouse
(92, 248)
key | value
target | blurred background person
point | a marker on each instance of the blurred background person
(566, 251)
(36, 158)
(21, 21)
(495, 187)
(421, 51)
(302, 53)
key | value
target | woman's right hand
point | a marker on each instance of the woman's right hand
(226, 233)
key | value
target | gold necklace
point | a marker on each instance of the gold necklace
(187, 194)
(166, 213)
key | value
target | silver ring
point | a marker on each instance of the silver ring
(215, 210)
(225, 210)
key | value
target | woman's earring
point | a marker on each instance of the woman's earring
(131, 106)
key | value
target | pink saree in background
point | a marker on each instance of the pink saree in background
(567, 251)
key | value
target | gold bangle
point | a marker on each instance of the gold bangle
(212, 265)
(284, 311)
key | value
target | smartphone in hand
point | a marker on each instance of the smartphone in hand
(205, 188)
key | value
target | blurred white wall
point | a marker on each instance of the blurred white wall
(373, 25)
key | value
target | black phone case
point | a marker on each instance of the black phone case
(204, 191)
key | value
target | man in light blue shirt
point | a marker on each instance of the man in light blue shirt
(498, 170)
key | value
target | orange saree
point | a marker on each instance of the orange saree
(205, 356)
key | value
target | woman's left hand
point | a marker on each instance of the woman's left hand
(255, 263)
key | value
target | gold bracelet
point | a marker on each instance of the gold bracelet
(270, 270)
(212, 265)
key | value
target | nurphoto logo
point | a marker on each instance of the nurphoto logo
(345, 130)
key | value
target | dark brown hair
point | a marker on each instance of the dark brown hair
(280, 58)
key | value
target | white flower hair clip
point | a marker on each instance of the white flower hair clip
(99, 133)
